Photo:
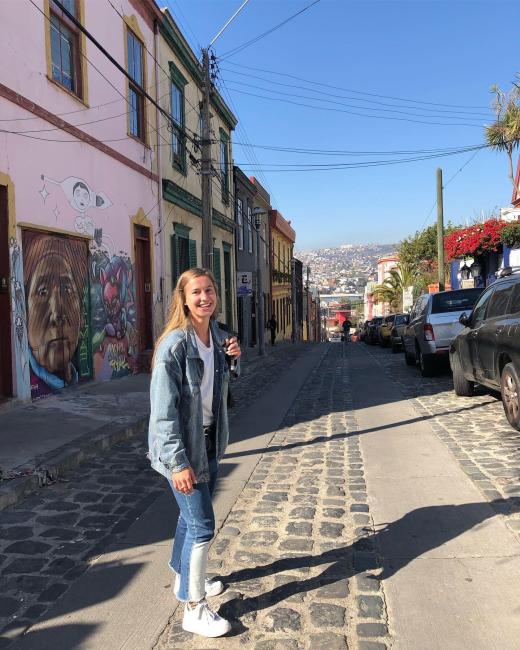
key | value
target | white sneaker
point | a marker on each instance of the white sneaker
(204, 621)
(212, 587)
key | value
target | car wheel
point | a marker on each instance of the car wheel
(410, 359)
(426, 365)
(463, 387)
(510, 389)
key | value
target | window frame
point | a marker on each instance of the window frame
(78, 68)
(133, 87)
(508, 287)
(179, 82)
(240, 223)
(224, 165)
(249, 228)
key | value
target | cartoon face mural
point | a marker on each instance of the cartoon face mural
(81, 197)
(56, 296)
(113, 315)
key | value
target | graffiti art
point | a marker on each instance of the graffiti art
(57, 308)
(114, 340)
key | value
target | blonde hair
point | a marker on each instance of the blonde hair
(179, 315)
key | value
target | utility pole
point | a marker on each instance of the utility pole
(440, 231)
(207, 236)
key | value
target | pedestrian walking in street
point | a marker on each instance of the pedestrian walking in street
(347, 324)
(188, 435)
(271, 324)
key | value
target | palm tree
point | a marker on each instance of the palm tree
(504, 134)
(391, 289)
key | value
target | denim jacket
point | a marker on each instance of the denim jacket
(175, 433)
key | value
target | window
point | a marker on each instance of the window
(240, 224)
(224, 165)
(499, 301)
(459, 300)
(178, 151)
(217, 272)
(135, 94)
(249, 229)
(65, 47)
(515, 300)
(479, 311)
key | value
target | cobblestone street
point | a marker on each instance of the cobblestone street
(299, 534)
(304, 557)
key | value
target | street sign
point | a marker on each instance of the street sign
(245, 283)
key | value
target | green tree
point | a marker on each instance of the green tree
(391, 289)
(504, 134)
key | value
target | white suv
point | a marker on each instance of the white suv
(433, 324)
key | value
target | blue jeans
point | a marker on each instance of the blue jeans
(195, 530)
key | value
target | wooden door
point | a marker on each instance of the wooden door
(6, 376)
(143, 287)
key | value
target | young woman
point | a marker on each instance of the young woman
(188, 435)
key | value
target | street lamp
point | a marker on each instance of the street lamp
(257, 213)
(475, 269)
(465, 272)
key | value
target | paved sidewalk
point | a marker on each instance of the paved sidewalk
(41, 440)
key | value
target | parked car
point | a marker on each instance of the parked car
(433, 324)
(385, 329)
(335, 337)
(396, 333)
(487, 351)
(372, 336)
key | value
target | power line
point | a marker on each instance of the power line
(239, 48)
(221, 31)
(356, 99)
(364, 108)
(356, 92)
(340, 110)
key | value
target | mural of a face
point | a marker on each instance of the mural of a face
(54, 315)
(81, 196)
(55, 272)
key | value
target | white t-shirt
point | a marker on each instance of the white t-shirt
(206, 387)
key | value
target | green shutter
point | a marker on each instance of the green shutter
(216, 270)
(174, 259)
(193, 253)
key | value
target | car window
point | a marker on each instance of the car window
(515, 300)
(399, 320)
(499, 300)
(479, 310)
(458, 300)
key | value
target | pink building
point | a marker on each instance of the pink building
(80, 285)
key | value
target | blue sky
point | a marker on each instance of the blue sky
(444, 53)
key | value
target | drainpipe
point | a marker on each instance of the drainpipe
(158, 158)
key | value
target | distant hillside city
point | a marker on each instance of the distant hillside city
(344, 269)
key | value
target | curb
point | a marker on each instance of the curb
(49, 467)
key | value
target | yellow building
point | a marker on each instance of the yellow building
(282, 237)
(181, 95)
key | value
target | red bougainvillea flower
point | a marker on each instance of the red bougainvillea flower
(476, 239)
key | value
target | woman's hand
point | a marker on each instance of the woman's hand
(184, 480)
(233, 347)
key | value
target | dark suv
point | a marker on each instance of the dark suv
(487, 351)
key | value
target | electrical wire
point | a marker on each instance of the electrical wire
(241, 47)
(356, 92)
(364, 108)
(470, 114)
(340, 110)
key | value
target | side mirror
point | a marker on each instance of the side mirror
(464, 319)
